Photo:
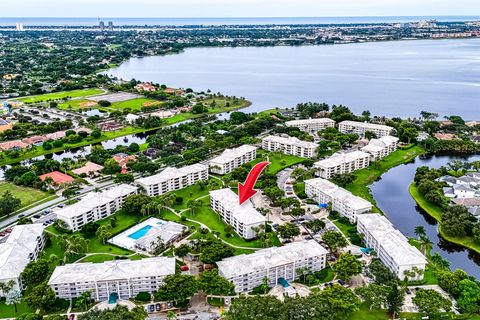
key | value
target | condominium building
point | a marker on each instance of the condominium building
(382, 147)
(291, 145)
(312, 125)
(95, 206)
(341, 200)
(232, 158)
(172, 179)
(122, 279)
(22, 246)
(342, 163)
(360, 128)
(391, 246)
(243, 218)
(247, 271)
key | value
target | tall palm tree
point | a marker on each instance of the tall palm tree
(194, 206)
(420, 231)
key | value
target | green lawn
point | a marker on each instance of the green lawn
(26, 195)
(208, 217)
(367, 176)
(436, 212)
(366, 314)
(61, 95)
(9, 311)
(78, 104)
(278, 161)
(99, 258)
(134, 104)
(191, 192)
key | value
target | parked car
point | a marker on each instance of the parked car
(37, 216)
(20, 216)
(151, 308)
(341, 282)
(158, 307)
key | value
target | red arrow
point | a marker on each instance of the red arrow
(245, 190)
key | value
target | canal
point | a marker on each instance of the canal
(393, 198)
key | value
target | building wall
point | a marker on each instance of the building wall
(163, 187)
(384, 256)
(243, 230)
(101, 290)
(289, 149)
(313, 127)
(360, 130)
(246, 282)
(328, 172)
(224, 168)
(101, 212)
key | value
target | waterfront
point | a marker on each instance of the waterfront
(393, 198)
(398, 78)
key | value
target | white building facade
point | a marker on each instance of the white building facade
(344, 202)
(311, 126)
(382, 147)
(360, 128)
(342, 163)
(232, 158)
(22, 246)
(247, 271)
(291, 145)
(243, 218)
(95, 206)
(391, 246)
(172, 179)
(123, 278)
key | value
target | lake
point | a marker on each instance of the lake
(393, 198)
(395, 78)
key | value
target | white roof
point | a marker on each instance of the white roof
(16, 250)
(392, 240)
(96, 199)
(290, 141)
(365, 125)
(172, 173)
(270, 257)
(113, 270)
(166, 230)
(346, 197)
(300, 122)
(341, 158)
(244, 213)
(231, 154)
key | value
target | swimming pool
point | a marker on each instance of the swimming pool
(140, 232)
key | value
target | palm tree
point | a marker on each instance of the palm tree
(420, 231)
(439, 262)
(194, 206)
(425, 244)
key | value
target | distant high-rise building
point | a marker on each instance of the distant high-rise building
(101, 24)
(19, 26)
(110, 25)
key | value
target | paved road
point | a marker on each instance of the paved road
(51, 204)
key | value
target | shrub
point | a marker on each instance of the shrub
(143, 296)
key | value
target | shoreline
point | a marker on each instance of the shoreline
(435, 212)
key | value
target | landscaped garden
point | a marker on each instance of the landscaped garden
(26, 195)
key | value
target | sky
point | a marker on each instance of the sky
(235, 8)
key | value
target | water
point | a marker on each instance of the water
(140, 233)
(398, 78)
(29, 21)
(393, 198)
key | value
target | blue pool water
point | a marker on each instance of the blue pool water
(113, 298)
(140, 232)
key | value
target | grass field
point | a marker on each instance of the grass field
(61, 95)
(436, 212)
(366, 314)
(26, 195)
(134, 104)
(211, 219)
(78, 104)
(367, 176)
(278, 161)
(8, 311)
(99, 258)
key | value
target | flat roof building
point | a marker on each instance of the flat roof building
(342, 163)
(95, 206)
(124, 278)
(172, 179)
(311, 125)
(290, 145)
(247, 271)
(342, 201)
(232, 158)
(382, 147)
(22, 246)
(391, 245)
(360, 128)
(243, 218)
